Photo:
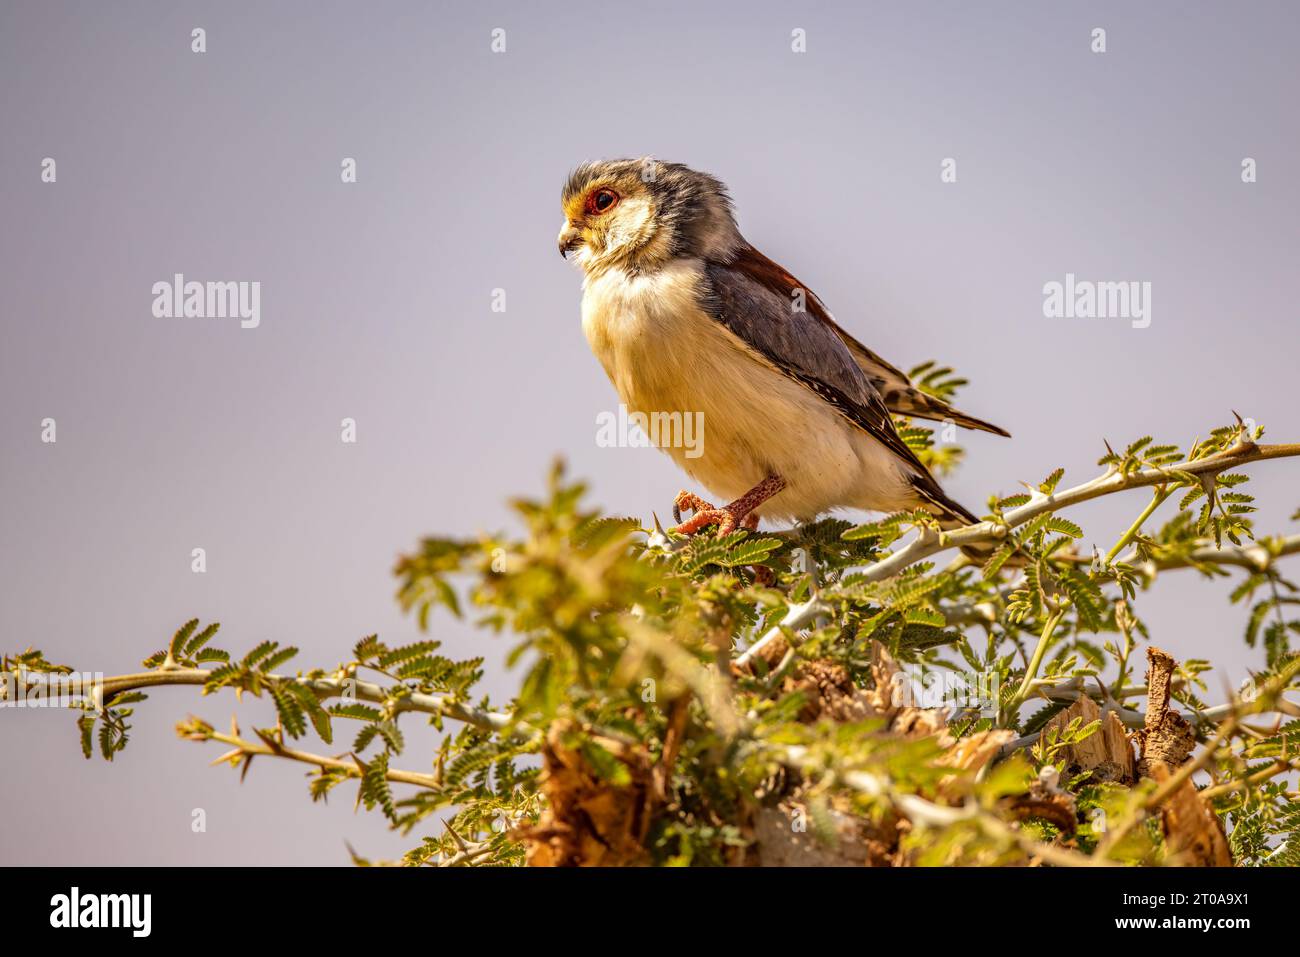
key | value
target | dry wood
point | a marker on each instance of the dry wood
(590, 821)
(1107, 752)
(1193, 833)
(1165, 737)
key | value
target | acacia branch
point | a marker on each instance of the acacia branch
(248, 749)
(467, 855)
(796, 617)
(1258, 556)
(930, 542)
(1279, 766)
(444, 705)
(921, 811)
(1073, 690)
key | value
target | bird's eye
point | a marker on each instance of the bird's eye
(602, 201)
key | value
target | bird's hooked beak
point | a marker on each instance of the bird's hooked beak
(568, 240)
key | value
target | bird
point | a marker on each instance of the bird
(687, 316)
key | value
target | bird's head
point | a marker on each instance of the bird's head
(639, 214)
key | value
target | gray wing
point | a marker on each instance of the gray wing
(895, 389)
(806, 349)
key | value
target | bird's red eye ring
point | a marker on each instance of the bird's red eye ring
(601, 201)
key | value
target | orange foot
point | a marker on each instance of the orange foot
(739, 512)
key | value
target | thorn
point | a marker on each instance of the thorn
(658, 538)
(225, 757)
(460, 843)
(268, 738)
(1036, 494)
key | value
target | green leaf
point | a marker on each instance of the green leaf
(361, 712)
(406, 653)
(201, 639)
(320, 718)
(86, 723)
(260, 652)
(289, 710)
(176, 649)
(374, 786)
(1062, 526)
(277, 659)
(752, 551)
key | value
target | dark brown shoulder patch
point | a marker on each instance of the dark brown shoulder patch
(774, 277)
(899, 395)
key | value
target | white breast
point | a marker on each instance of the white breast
(665, 355)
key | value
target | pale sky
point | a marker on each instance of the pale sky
(376, 305)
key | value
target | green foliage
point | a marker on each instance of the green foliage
(625, 640)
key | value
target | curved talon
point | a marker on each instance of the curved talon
(724, 518)
(729, 516)
(691, 502)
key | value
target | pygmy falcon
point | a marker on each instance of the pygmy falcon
(687, 316)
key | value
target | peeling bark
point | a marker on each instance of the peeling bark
(1106, 753)
(1166, 737)
(590, 821)
(1193, 833)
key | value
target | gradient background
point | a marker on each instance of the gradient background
(176, 434)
